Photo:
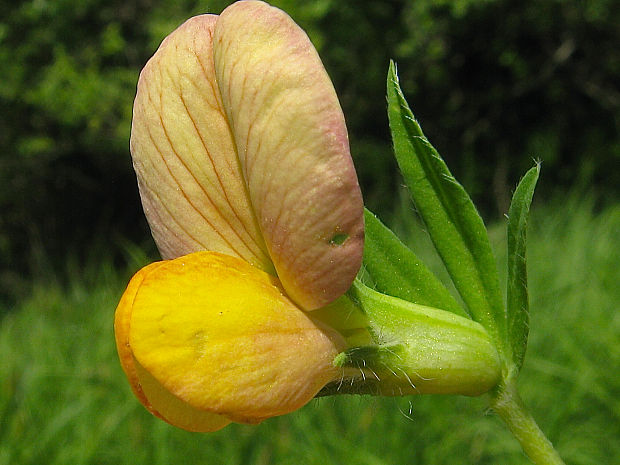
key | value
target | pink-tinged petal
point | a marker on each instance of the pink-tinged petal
(292, 143)
(190, 180)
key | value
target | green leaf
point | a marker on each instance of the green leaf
(397, 271)
(517, 299)
(454, 225)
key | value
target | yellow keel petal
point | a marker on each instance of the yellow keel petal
(122, 326)
(220, 336)
(174, 410)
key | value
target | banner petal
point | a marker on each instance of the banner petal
(292, 143)
(190, 180)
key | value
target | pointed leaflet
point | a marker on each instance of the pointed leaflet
(397, 271)
(517, 298)
(293, 148)
(454, 225)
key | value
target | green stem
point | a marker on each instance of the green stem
(509, 406)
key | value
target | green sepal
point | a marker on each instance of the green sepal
(367, 366)
(516, 293)
(415, 349)
(397, 271)
(453, 223)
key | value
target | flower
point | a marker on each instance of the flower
(241, 153)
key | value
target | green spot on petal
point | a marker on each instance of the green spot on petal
(338, 239)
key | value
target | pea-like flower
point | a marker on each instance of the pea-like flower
(243, 165)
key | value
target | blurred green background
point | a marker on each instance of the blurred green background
(495, 85)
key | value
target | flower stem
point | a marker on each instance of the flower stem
(509, 406)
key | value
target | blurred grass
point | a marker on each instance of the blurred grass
(64, 399)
